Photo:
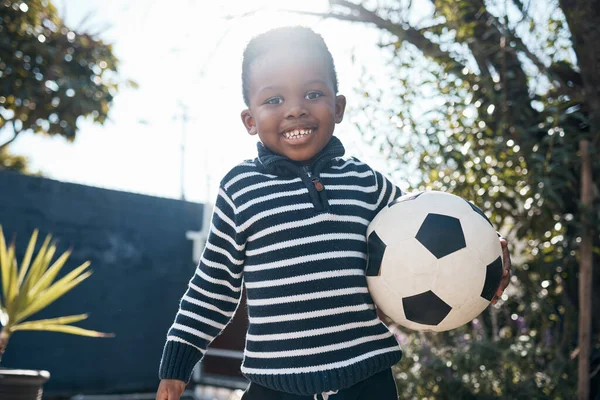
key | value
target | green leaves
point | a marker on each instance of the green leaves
(61, 324)
(32, 287)
(50, 75)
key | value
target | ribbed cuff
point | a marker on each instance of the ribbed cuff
(178, 361)
(310, 383)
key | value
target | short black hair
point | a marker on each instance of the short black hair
(284, 38)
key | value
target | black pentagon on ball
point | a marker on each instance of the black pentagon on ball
(493, 275)
(405, 197)
(441, 235)
(375, 251)
(425, 308)
(478, 211)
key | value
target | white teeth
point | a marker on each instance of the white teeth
(297, 133)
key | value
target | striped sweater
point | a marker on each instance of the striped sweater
(295, 237)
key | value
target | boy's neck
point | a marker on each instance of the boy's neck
(276, 162)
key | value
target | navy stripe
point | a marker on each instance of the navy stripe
(334, 264)
(308, 342)
(315, 286)
(311, 323)
(275, 309)
(319, 358)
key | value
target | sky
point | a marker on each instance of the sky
(186, 55)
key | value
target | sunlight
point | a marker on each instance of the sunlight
(186, 59)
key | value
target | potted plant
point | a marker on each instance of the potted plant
(27, 289)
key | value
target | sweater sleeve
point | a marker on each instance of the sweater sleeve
(386, 191)
(212, 295)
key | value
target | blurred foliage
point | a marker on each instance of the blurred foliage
(9, 161)
(50, 75)
(485, 100)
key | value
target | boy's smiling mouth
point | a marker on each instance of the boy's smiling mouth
(297, 133)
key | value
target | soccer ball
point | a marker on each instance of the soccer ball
(434, 261)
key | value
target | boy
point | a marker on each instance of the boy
(291, 226)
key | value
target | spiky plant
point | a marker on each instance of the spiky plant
(32, 287)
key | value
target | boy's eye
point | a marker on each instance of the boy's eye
(313, 95)
(274, 100)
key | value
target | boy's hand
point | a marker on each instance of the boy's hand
(170, 389)
(507, 265)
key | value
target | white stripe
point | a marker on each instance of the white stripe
(317, 350)
(312, 332)
(219, 250)
(263, 185)
(310, 314)
(225, 218)
(247, 163)
(227, 199)
(357, 188)
(206, 305)
(350, 161)
(307, 296)
(212, 295)
(271, 197)
(392, 195)
(209, 278)
(382, 193)
(349, 202)
(316, 368)
(274, 211)
(305, 259)
(245, 175)
(225, 236)
(202, 319)
(309, 221)
(306, 240)
(349, 173)
(172, 338)
(212, 264)
(304, 278)
(193, 331)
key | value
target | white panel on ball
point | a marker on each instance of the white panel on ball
(409, 217)
(408, 267)
(467, 312)
(391, 303)
(460, 277)
(481, 237)
(444, 203)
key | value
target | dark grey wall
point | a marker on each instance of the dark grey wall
(141, 261)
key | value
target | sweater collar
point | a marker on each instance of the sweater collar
(277, 164)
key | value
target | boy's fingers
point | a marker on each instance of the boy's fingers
(507, 264)
(162, 396)
(506, 271)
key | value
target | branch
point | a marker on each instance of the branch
(413, 36)
(341, 17)
(16, 133)
(520, 46)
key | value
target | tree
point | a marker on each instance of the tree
(51, 75)
(584, 19)
(490, 100)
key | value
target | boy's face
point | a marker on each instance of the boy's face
(293, 106)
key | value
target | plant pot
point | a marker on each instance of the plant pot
(22, 384)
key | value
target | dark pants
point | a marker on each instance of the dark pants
(380, 386)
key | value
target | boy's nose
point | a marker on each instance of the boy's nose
(296, 111)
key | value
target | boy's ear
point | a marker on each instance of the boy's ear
(340, 107)
(249, 122)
